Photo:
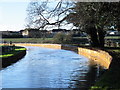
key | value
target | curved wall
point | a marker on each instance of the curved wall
(102, 57)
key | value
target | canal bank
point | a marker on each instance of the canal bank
(101, 57)
(82, 51)
(49, 68)
(11, 54)
(111, 78)
(110, 60)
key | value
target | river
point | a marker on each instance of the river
(49, 68)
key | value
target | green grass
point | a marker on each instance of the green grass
(80, 37)
(114, 50)
(6, 55)
(28, 40)
(12, 52)
(111, 78)
(112, 37)
(107, 37)
(41, 40)
(20, 49)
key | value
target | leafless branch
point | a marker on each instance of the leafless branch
(39, 13)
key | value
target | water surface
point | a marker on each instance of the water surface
(48, 68)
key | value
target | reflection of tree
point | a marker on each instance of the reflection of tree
(85, 82)
(91, 76)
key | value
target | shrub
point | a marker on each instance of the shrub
(61, 38)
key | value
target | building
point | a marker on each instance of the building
(112, 32)
(34, 33)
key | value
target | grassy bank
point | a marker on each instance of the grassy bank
(13, 50)
(28, 40)
(111, 78)
(50, 40)
(11, 54)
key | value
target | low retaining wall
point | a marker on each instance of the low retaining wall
(54, 46)
(102, 57)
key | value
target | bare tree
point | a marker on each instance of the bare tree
(42, 14)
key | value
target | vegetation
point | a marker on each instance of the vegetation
(6, 55)
(68, 39)
(19, 48)
(48, 15)
(62, 38)
(12, 36)
(8, 51)
(94, 18)
(110, 79)
(11, 54)
(29, 40)
(112, 37)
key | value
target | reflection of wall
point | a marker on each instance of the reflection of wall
(102, 57)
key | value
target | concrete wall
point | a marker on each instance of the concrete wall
(54, 46)
(101, 57)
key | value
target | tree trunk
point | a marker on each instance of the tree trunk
(101, 37)
(96, 37)
(93, 37)
(118, 27)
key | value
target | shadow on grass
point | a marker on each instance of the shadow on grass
(111, 78)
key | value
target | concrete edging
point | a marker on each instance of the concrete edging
(102, 57)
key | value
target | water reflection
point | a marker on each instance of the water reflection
(49, 68)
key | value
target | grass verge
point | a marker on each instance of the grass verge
(111, 78)
(12, 52)
(28, 40)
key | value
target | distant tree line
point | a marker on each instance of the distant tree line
(12, 36)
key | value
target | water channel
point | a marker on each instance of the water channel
(49, 68)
